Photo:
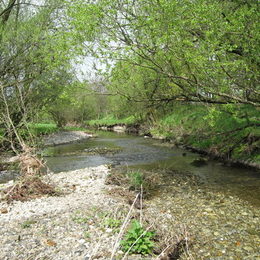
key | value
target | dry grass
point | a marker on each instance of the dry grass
(121, 178)
(29, 185)
(28, 188)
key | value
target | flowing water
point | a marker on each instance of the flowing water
(140, 153)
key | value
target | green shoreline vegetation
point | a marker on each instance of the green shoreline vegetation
(190, 73)
(222, 131)
(186, 71)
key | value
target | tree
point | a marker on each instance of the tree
(204, 51)
(37, 47)
(76, 103)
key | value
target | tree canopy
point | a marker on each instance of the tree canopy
(36, 53)
(199, 51)
(156, 52)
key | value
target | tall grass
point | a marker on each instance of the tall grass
(43, 129)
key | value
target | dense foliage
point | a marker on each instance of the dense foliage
(157, 54)
(161, 54)
(36, 53)
(200, 51)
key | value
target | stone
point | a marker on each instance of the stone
(4, 210)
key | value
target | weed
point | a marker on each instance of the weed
(28, 223)
(86, 235)
(112, 223)
(137, 240)
(132, 181)
(136, 179)
(80, 219)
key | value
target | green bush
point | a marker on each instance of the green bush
(137, 240)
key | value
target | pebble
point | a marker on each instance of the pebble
(71, 226)
(55, 234)
(64, 137)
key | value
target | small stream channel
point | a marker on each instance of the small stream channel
(152, 155)
(139, 153)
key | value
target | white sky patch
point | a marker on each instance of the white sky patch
(88, 68)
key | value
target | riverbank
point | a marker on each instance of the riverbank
(9, 162)
(218, 131)
(52, 139)
(65, 137)
(60, 227)
(84, 220)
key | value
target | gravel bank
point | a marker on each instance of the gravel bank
(64, 227)
(221, 227)
(65, 137)
(75, 224)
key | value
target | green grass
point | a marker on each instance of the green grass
(214, 129)
(111, 120)
(43, 129)
(75, 128)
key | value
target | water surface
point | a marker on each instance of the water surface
(137, 152)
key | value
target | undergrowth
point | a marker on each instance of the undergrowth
(28, 188)
(137, 240)
(30, 184)
(134, 181)
(111, 120)
(229, 131)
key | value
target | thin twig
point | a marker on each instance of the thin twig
(123, 227)
(125, 255)
(141, 204)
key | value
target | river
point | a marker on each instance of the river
(140, 153)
